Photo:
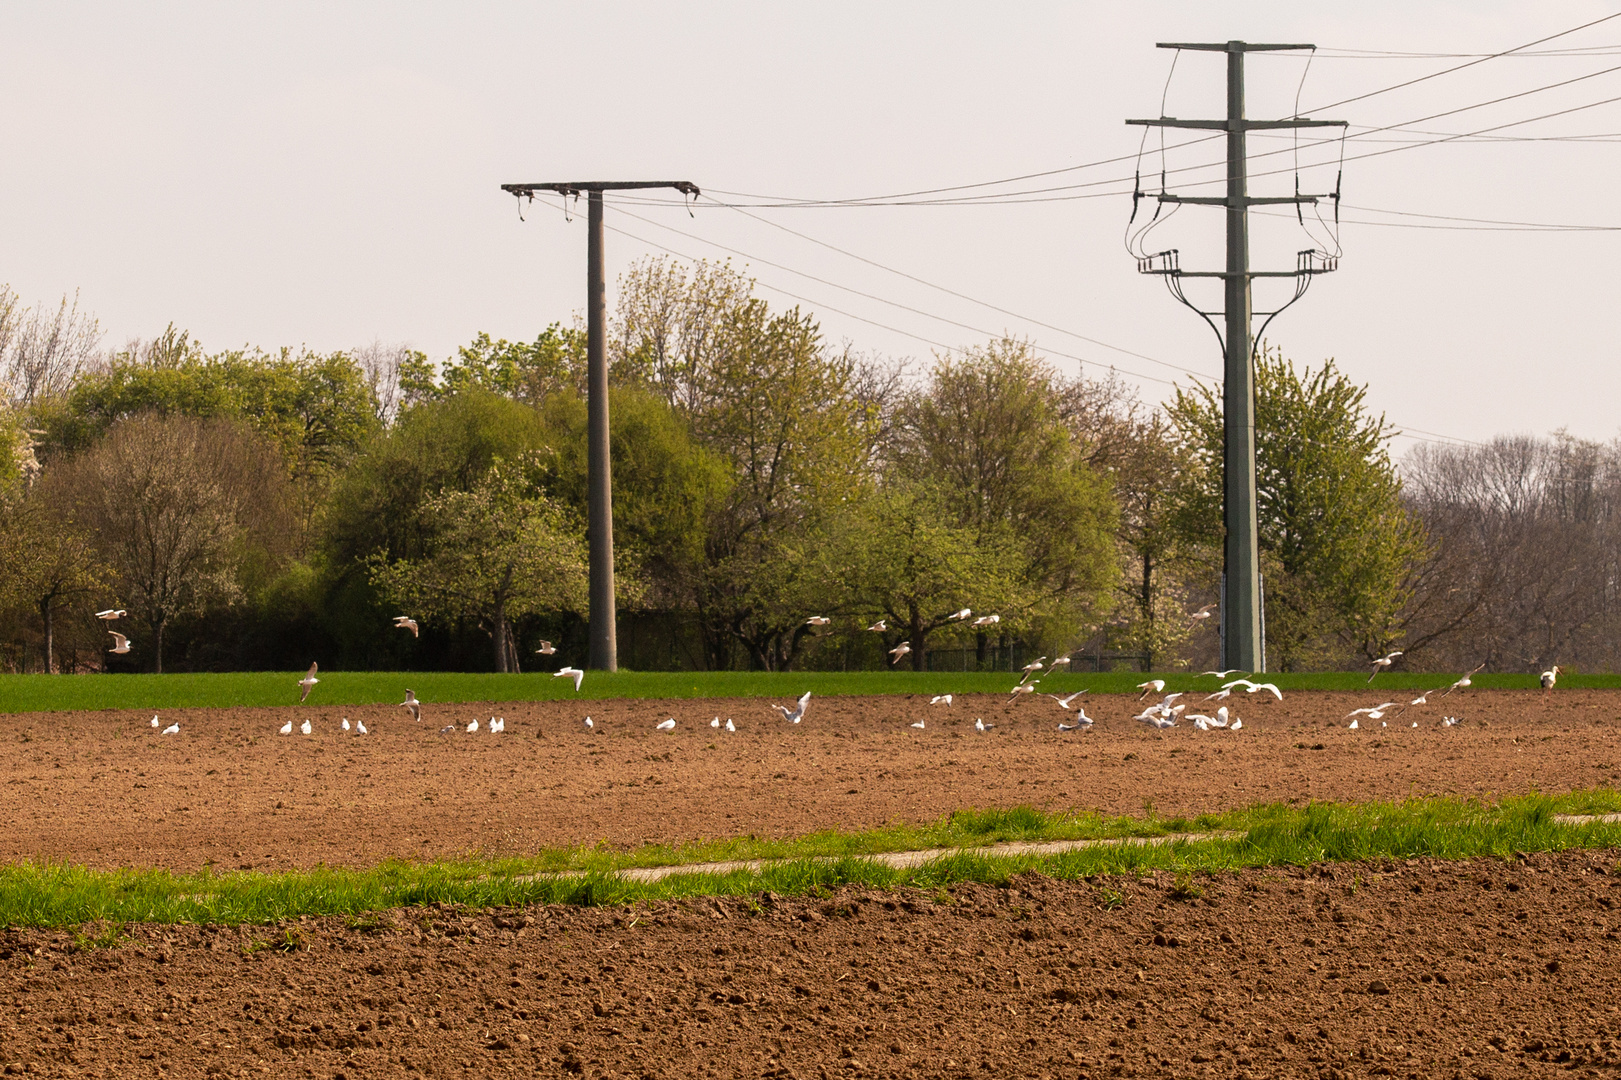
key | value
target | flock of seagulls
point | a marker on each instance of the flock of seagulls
(1384, 708)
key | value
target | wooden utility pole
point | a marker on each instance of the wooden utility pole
(604, 651)
(1241, 616)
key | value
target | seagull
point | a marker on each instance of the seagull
(1236, 724)
(918, 725)
(308, 683)
(155, 720)
(287, 728)
(986, 620)
(715, 722)
(1220, 719)
(878, 627)
(1200, 721)
(1152, 686)
(1450, 721)
(1202, 613)
(111, 613)
(666, 725)
(546, 649)
(1422, 699)
(414, 705)
(1549, 677)
(1172, 697)
(1384, 662)
(1250, 687)
(1034, 665)
(1222, 674)
(1163, 722)
(360, 726)
(1063, 702)
(1373, 712)
(796, 714)
(120, 643)
(589, 726)
(405, 622)
(959, 616)
(304, 727)
(447, 728)
(346, 723)
(172, 729)
(498, 725)
(1354, 724)
(1219, 695)
(1062, 661)
(982, 726)
(570, 673)
(818, 620)
(940, 699)
(1022, 688)
(1465, 682)
(472, 725)
(729, 725)
(899, 651)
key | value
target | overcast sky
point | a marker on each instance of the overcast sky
(328, 174)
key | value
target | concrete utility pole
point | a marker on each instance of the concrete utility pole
(604, 652)
(1242, 645)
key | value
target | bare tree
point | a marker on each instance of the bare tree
(381, 366)
(42, 351)
(169, 497)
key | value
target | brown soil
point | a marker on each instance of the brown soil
(107, 790)
(1470, 969)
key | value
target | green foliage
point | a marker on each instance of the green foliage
(553, 363)
(498, 552)
(1336, 541)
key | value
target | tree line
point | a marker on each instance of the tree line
(254, 509)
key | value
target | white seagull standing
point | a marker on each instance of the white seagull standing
(308, 682)
(305, 727)
(172, 729)
(345, 724)
(729, 725)
(155, 720)
(570, 673)
(982, 727)
(287, 728)
(498, 725)
(120, 643)
(918, 725)
(414, 705)
(360, 727)
(472, 725)
(589, 726)
(666, 725)
(715, 722)
(797, 713)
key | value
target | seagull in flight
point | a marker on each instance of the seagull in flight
(414, 705)
(1152, 686)
(1034, 665)
(570, 673)
(940, 699)
(665, 725)
(111, 613)
(1201, 614)
(405, 622)
(1384, 662)
(1062, 661)
(818, 620)
(1022, 688)
(878, 627)
(172, 729)
(1373, 712)
(305, 727)
(287, 728)
(1465, 682)
(120, 643)
(1250, 687)
(1219, 695)
(1222, 674)
(797, 713)
(899, 651)
(1063, 702)
(546, 649)
(986, 620)
(959, 616)
(1422, 699)
(308, 683)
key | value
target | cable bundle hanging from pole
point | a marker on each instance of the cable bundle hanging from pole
(1241, 619)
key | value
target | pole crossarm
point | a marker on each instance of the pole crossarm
(574, 187)
(1230, 46)
(1248, 200)
(1238, 125)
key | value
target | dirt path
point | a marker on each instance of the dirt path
(107, 790)
(1473, 969)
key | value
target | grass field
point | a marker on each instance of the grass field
(42, 693)
(46, 896)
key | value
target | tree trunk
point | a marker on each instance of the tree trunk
(917, 639)
(45, 612)
(1146, 606)
(498, 636)
(157, 647)
(980, 642)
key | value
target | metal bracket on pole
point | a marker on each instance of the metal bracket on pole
(604, 649)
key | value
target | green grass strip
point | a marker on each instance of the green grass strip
(1272, 835)
(220, 690)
